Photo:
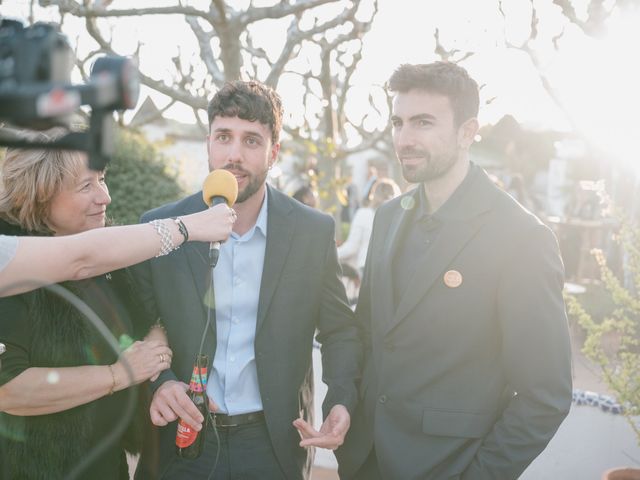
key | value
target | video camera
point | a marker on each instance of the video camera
(36, 90)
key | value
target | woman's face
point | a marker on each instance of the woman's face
(81, 205)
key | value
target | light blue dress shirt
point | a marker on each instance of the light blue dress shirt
(233, 383)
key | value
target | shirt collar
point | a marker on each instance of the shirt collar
(261, 222)
(452, 204)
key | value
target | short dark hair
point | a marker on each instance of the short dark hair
(251, 101)
(444, 78)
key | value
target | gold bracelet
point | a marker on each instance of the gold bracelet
(113, 380)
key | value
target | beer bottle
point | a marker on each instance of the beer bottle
(189, 442)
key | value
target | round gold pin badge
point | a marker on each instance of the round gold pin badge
(453, 279)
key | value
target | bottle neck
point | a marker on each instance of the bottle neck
(200, 374)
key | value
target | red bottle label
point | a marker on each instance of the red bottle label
(185, 435)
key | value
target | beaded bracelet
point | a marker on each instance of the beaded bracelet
(166, 242)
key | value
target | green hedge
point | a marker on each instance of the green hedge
(138, 179)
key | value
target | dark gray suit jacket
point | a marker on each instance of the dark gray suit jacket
(300, 293)
(468, 382)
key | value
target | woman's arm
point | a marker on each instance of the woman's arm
(40, 391)
(44, 260)
(351, 247)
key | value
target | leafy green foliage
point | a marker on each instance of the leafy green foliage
(613, 342)
(138, 179)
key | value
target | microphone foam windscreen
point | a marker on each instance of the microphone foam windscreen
(220, 183)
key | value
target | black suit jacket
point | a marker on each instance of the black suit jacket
(300, 293)
(470, 381)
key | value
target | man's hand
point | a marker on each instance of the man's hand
(213, 406)
(332, 431)
(171, 402)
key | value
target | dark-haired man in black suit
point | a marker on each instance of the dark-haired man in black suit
(467, 358)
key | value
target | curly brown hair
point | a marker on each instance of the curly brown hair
(252, 101)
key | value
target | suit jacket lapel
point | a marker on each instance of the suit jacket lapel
(432, 266)
(383, 300)
(280, 227)
(455, 234)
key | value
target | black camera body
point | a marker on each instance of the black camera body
(36, 92)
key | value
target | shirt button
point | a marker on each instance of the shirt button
(382, 399)
(232, 358)
(234, 320)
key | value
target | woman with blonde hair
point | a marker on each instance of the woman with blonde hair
(61, 386)
(353, 252)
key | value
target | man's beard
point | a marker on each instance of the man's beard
(255, 182)
(431, 168)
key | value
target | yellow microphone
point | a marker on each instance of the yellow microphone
(220, 186)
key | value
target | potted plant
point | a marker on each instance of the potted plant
(613, 342)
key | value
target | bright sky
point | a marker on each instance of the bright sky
(596, 80)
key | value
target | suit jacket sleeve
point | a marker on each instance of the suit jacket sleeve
(341, 349)
(141, 274)
(536, 358)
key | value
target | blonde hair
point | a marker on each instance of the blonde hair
(30, 178)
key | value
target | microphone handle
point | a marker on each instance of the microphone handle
(214, 247)
(214, 253)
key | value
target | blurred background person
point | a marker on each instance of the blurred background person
(29, 262)
(306, 195)
(353, 252)
(372, 176)
(60, 383)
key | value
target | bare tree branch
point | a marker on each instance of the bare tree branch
(597, 15)
(526, 47)
(258, 52)
(293, 39)
(221, 9)
(81, 62)
(240, 53)
(74, 8)
(342, 98)
(280, 10)
(201, 126)
(447, 55)
(206, 52)
(370, 140)
(179, 95)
